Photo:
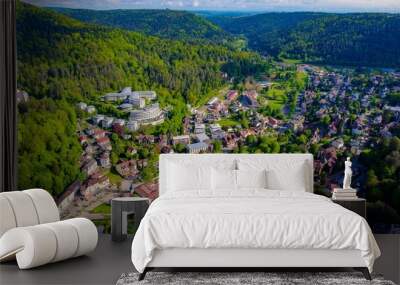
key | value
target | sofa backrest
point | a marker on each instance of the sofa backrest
(280, 162)
(26, 208)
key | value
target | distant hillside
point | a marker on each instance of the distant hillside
(179, 25)
(213, 14)
(343, 39)
(62, 61)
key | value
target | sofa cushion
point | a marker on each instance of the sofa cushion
(7, 220)
(24, 210)
(37, 245)
(45, 206)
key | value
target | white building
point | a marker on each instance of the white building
(216, 132)
(120, 122)
(81, 106)
(392, 108)
(90, 167)
(91, 109)
(68, 196)
(149, 115)
(132, 126)
(98, 118)
(107, 122)
(125, 107)
(215, 128)
(212, 101)
(151, 95)
(136, 100)
(197, 147)
(183, 139)
(111, 97)
(199, 128)
(338, 143)
(126, 90)
(104, 160)
(202, 137)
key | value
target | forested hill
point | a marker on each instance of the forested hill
(178, 25)
(342, 39)
(62, 61)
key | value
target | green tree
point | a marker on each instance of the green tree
(217, 146)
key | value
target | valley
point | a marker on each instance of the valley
(104, 97)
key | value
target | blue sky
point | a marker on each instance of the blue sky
(247, 5)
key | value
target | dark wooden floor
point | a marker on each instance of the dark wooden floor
(111, 259)
(103, 266)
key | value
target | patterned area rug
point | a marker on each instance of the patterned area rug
(244, 278)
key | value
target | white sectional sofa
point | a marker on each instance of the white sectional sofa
(31, 231)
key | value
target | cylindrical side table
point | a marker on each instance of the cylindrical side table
(120, 209)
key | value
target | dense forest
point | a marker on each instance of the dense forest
(340, 39)
(170, 24)
(383, 164)
(62, 61)
(363, 39)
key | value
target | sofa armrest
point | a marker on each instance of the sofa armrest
(41, 244)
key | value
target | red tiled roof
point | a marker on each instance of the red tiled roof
(103, 140)
(148, 190)
(99, 132)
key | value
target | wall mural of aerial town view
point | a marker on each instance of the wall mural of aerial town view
(103, 93)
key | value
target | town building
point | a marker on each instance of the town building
(98, 133)
(142, 163)
(91, 109)
(202, 137)
(212, 101)
(81, 106)
(216, 132)
(148, 190)
(107, 122)
(232, 95)
(65, 200)
(184, 139)
(104, 143)
(249, 99)
(112, 97)
(94, 185)
(150, 95)
(127, 92)
(89, 167)
(120, 122)
(97, 119)
(126, 107)
(136, 100)
(338, 143)
(145, 139)
(126, 185)
(104, 160)
(149, 115)
(132, 126)
(131, 150)
(83, 139)
(199, 128)
(127, 169)
(197, 147)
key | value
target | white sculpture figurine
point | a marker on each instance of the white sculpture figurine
(347, 174)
